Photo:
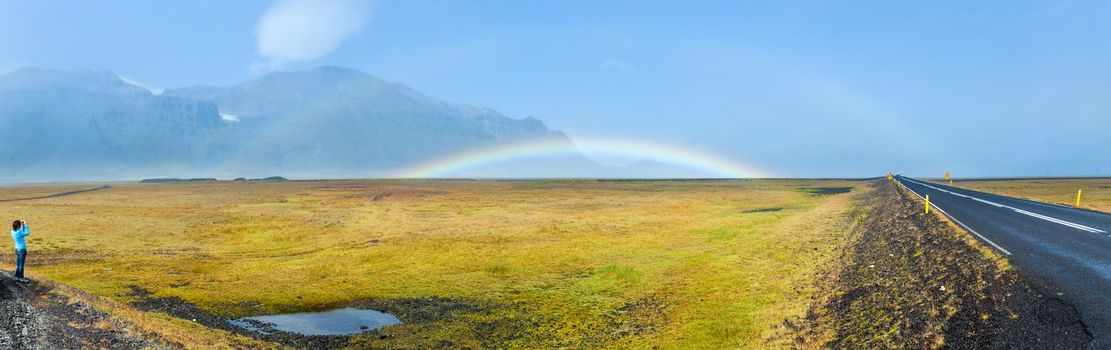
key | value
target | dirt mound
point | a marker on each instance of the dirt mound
(912, 280)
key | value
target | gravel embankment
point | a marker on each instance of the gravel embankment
(31, 317)
(911, 280)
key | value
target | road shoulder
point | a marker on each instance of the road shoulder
(908, 279)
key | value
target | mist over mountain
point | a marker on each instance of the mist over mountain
(84, 124)
(337, 121)
(330, 121)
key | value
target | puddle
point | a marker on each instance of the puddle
(335, 322)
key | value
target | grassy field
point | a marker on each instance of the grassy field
(1096, 195)
(679, 264)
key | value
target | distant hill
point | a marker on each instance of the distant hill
(330, 121)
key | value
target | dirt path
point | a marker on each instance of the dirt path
(31, 317)
(63, 194)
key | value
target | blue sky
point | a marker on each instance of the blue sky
(800, 88)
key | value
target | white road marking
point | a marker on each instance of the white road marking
(1017, 210)
(985, 239)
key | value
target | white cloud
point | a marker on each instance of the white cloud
(229, 117)
(619, 66)
(153, 89)
(298, 30)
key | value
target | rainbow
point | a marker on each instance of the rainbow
(453, 165)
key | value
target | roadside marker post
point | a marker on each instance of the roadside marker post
(1078, 198)
(927, 204)
(889, 176)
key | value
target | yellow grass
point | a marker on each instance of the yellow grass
(678, 264)
(1096, 195)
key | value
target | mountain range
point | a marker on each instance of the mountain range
(327, 122)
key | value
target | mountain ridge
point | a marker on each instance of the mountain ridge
(328, 121)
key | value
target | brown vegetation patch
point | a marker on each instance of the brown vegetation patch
(826, 191)
(376, 192)
(762, 210)
(638, 317)
(37, 258)
(341, 187)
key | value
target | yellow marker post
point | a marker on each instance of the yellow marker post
(950, 182)
(889, 176)
(927, 204)
(1078, 198)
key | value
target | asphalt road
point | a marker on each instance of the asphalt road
(1060, 249)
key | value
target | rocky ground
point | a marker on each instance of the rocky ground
(908, 279)
(32, 317)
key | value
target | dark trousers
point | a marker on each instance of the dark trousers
(20, 258)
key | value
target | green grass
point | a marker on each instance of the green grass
(676, 264)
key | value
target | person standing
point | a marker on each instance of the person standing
(20, 231)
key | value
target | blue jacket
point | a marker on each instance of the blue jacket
(18, 237)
